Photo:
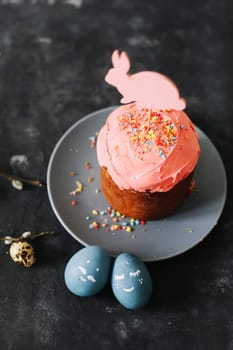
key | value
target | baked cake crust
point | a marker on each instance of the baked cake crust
(144, 205)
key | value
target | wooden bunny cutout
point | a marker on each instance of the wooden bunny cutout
(148, 89)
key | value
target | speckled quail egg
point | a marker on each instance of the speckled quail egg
(22, 253)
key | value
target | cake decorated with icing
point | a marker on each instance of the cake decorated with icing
(148, 148)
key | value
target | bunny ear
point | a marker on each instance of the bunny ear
(115, 58)
(125, 62)
(121, 61)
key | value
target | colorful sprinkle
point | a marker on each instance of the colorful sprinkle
(78, 189)
(148, 131)
(92, 140)
(112, 220)
(103, 212)
(124, 223)
(88, 165)
(90, 179)
(73, 193)
(95, 212)
(94, 225)
(79, 186)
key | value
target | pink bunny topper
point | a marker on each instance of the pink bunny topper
(148, 89)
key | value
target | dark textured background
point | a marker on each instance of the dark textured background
(53, 58)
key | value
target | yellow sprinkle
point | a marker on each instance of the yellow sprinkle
(79, 186)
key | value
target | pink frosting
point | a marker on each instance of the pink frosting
(148, 149)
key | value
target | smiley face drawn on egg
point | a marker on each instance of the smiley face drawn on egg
(135, 274)
(84, 277)
(131, 281)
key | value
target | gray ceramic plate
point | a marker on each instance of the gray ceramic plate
(156, 240)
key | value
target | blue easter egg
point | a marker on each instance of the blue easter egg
(131, 281)
(87, 271)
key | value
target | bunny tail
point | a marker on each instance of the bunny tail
(182, 103)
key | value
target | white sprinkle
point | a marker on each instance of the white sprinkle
(88, 261)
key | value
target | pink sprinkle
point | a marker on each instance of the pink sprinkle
(88, 165)
(73, 193)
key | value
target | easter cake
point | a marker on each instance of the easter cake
(148, 148)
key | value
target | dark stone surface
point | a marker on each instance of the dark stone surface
(53, 58)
